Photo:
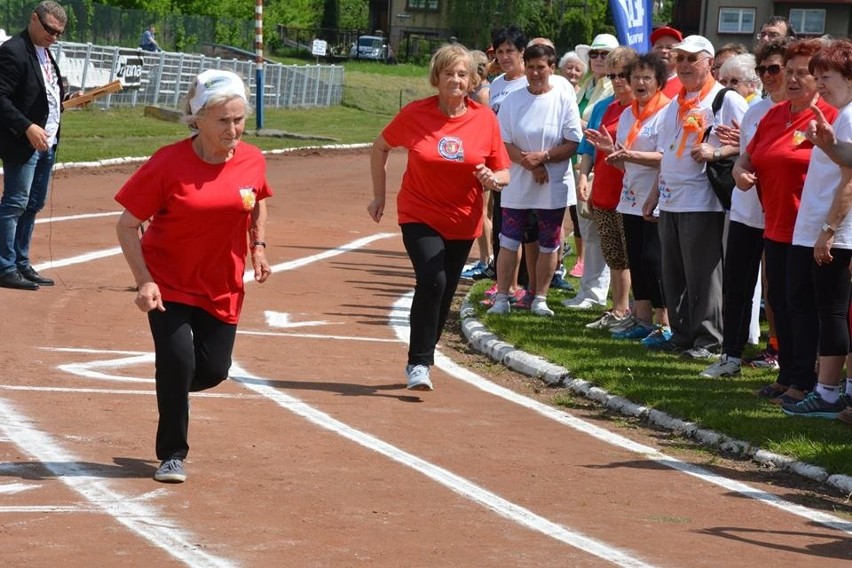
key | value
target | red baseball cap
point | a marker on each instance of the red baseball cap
(665, 31)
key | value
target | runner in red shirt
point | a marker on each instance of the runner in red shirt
(205, 199)
(454, 151)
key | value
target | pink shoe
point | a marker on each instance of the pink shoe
(577, 271)
(491, 291)
(525, 302)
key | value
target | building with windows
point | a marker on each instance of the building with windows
(410, 25)
(727, 21)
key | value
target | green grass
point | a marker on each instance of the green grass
(668, 383)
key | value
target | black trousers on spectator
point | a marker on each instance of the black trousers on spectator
(530, 236)
(192, 353)
(832, 287)
(791, 295)
(742, 267)
(645, 259)
(438, 263)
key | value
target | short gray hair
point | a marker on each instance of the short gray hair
(743, 65)
(50, 7)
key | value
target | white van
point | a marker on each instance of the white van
(369, 47)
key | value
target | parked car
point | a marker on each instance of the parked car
(373, 48)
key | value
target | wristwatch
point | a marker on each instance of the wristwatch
(717, 154)
(827, 228)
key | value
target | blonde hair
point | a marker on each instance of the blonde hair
(621, 56)
(448, 56)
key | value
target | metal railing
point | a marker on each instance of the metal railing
(163, 78)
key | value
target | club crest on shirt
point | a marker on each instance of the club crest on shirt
(451, 148)
(249, 197)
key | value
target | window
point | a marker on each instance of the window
(736, 20)
(807, 22)
(425, 5)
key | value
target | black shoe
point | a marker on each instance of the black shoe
(30, 274)
(15, 280)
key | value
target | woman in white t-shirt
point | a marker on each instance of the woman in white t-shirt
(825, 226)
(540, 126)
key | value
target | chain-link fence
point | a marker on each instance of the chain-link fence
(163, 78)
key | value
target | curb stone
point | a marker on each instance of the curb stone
(487, 343)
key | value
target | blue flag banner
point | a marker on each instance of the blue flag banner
(633, 23)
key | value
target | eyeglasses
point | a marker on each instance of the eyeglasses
(691, 58)
(732, 82)
(596, 54)
(49, 29)
(614, 76)
(773, 69)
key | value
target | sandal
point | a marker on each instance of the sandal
(769, 391)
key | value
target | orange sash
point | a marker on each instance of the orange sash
(692, 123)
(657, 102)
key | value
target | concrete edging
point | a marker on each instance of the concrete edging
(486, 343)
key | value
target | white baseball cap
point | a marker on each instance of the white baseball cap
(216, 82)
(695, 44)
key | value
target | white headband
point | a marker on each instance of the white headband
(215, 82)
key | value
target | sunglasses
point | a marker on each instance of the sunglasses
(732, 82)
(773, 69)
(613, 76)
(596, 54)
(691, 58)
(49, 29)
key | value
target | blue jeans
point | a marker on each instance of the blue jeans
(24, 194)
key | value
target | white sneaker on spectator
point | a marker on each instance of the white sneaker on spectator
(501, 305)
(724, 367)
(607, 321)
(539, 307)
(581, 304)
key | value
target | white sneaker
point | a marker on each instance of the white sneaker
(607, 321)
(501, 305)
(582, 304)
(418, 378)
(624, 325)
(539, 307)
(724, 367)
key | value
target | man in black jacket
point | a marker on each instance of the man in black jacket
(31, 95)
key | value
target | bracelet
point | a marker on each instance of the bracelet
(256, 244)
(547, 155)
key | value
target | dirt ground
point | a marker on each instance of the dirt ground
(314, 454)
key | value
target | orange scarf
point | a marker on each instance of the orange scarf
(656, 102)
(693, 123)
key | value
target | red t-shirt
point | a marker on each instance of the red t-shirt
(780, 155)
(195, 246)
(672, 88)
(438, 187)
(608, 180)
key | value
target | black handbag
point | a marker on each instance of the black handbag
(720, 172)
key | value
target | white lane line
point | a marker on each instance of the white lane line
(142, 519)
(77, 217)
(22, 509)
(12, 488)
(82, 390)
(318, 336)
(89, 256)
(330, 253)
(402, 307)
(451, 481)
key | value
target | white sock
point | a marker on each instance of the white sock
(541, 299)
(849, 386)
(736, 360)
(827, 393)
